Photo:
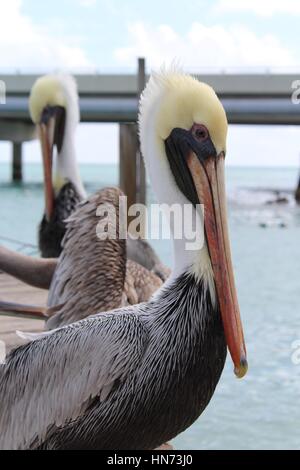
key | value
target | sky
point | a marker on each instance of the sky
(109, 35)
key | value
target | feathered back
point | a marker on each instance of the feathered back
(88, 266)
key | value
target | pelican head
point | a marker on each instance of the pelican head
(54, 108)
(183, 130)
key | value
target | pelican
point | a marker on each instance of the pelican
(92, 275)
(95, 275)
(136, 377)
(142, 253)
(54, 108)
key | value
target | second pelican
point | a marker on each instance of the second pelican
(54, 108)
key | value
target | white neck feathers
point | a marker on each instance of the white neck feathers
(67, 166)
(164, 185)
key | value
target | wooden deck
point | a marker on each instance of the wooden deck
(12, 290)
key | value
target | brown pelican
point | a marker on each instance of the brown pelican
(142, 253)
(92, 275)
(95, 275)
(54, 108)
(136, 377)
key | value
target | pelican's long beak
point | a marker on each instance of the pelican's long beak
(51, 130)
(22, 310)
(209, 180)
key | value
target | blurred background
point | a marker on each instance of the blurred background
(249, 51)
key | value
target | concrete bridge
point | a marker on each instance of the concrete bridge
(247, 98)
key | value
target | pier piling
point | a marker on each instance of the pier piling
(132, 167)
(17, 170)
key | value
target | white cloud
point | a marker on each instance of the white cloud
(24, 44)
(203, 46)
(260, 7)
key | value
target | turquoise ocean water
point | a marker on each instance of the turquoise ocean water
(262, 411)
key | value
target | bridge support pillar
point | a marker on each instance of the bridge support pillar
(128, 162)
(132, 167)
(17, 169)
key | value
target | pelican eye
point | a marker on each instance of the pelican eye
(200, 132)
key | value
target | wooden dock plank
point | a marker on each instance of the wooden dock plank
(12, 290)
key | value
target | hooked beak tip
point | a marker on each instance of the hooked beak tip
(242, 369)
